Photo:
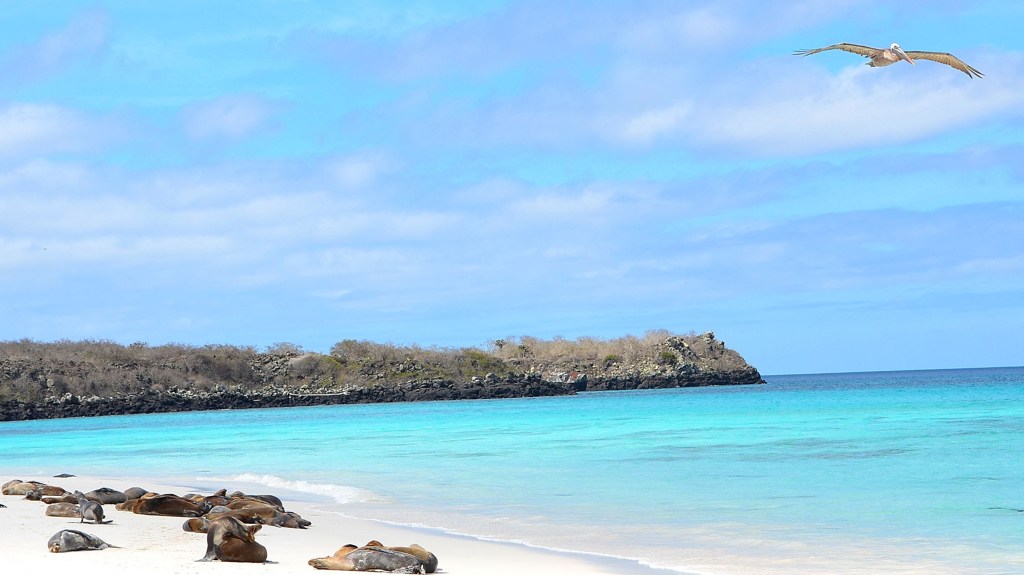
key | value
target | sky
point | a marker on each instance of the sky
(448, 173)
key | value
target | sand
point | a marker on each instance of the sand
(159, 545)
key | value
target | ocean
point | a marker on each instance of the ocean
(853, 473)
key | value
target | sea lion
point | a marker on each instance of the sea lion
(428, 558)
(63, 510)
(352, 558)
(71, 540)
(291, 520)
(170, 505)
(89, 509)
(66, 498)
(18, 487)
(134, 492)
(64, 475)
(237, 551)
(226, 528)
(106, 496)
(271, 499)
(196, 525)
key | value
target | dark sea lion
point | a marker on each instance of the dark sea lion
(196, 525)
(2, 506)
(271, 499)
(134, 492)
(428, 558)
(291, 520)
(106, 496)
(63, 510)
(89, 509)
(64, 476)
(71, 540)
(352, 558)
(225, 528)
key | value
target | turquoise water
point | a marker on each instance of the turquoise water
(901, 472)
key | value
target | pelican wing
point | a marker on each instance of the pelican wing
(866, 51)
(947, 59)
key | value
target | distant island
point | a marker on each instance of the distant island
(88, 378)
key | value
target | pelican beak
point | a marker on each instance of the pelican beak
(904, 56)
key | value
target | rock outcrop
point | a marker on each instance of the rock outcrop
(80, 381)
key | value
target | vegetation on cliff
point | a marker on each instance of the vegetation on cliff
(67, 378)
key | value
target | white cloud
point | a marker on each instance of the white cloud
(650, 124)
(35, 129)
(359, 170)
(228, 117)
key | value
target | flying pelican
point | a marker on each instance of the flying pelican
(881, 57)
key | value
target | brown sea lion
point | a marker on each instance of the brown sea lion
(71, 540)
(196, 525)
(19, 487)
(63, 510)
(66, 498)
(237, 551)
(428, 558)
(170, 505)
(226, 528)
(352, 558)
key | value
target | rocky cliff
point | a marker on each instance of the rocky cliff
(72, 379)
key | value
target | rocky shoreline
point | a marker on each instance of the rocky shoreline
(294, 379)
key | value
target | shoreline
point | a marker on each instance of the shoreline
(159, 544)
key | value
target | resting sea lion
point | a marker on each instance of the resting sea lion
(196, 525)
(63, 510)
(171, 505)
(271, 499)
(428, 558)
(66, 498)
(64, 475)
(352, 558)
(71, 540)
(291, 520)
(106, 496)
(134, 492)
(18, 487)
(226, 528)
(89, 509)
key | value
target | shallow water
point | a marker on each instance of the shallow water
(906, 472)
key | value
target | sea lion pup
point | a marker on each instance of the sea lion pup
(63, 510)
(352, 558)
(106, 496)
(429, 559)
(71, 540)
(89, 509)
(226, 528)
(196, 525)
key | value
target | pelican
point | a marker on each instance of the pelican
(882, 57)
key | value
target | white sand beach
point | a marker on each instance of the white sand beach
(154, 544)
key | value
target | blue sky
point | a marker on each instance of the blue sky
(450, 173)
